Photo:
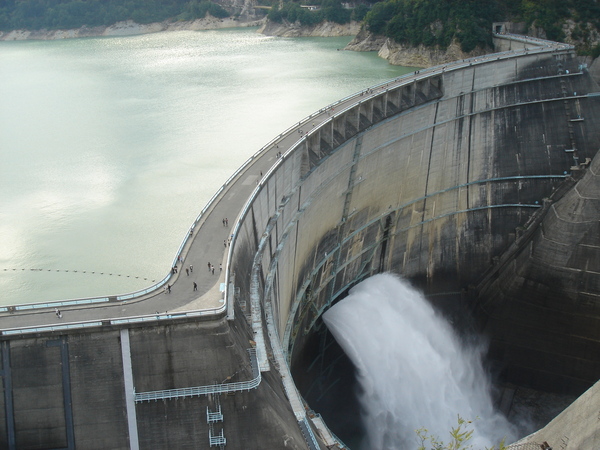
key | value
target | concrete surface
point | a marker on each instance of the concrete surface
(432, 176)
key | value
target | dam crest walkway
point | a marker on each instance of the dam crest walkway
(211, 235)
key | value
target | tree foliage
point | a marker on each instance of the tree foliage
(460, 435)
(435, 22)
(198, 10)
(438, 22)
(550, 15)
(330, 10)
(546, 14)
(413, 22)
(61, 14)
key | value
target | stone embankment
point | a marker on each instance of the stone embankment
(130, 28)
(364, 41)
(409, 56)
(421, 56)
(395, 53)
(323, 29)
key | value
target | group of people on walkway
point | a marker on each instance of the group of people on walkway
(226, 243)
(188, 271)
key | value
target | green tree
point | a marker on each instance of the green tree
(459, 438)
(546, 14)
(377, 18)
(359, 12)
(198, 10)
(435, 22)
(275, 14)
(333, 11)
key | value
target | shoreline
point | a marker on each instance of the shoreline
(129, 28)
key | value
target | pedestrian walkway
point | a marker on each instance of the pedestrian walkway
(206, 243)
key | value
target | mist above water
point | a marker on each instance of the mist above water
(413, 370)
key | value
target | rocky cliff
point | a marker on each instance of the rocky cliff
(403, 55)
(130, 28)
(323, 29)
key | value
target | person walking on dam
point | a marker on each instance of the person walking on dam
(195, 286)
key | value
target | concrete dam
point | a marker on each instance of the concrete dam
(478, 181)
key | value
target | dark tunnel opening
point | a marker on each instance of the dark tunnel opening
(327, 380)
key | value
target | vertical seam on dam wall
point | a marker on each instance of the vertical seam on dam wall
(384, 242)
(9, 409)
(470, 141)
(469, 115)
(63, 345)
(342, 225)
(431, 145)
(298, 207)
(129, 390)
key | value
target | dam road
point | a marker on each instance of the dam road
(209, 237)
(207, 242)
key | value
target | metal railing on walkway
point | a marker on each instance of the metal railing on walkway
(112, 321)
(197, 391)
(308, 434)
(525, 446)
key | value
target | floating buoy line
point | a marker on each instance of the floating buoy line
(87, 272)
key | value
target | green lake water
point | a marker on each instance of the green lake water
(110, 147)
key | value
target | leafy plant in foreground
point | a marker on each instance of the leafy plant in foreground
(459, 438)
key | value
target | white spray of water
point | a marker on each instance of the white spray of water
(412, 369)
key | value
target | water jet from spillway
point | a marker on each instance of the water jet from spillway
(413, 370)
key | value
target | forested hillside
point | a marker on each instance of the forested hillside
(433, 23)
(439, 22)
(64, 14)
(331, 10)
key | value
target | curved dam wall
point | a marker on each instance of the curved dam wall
(479, 181)
(541, 301)
(433, 178)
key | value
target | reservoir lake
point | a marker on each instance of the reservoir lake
(110, 147)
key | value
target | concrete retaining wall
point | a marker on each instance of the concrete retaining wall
(69, 391)
(435, 192)
(64, 391)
